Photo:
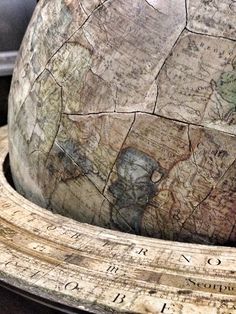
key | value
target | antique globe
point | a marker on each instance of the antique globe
(122, 114)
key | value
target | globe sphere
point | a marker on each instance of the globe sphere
(122, 114)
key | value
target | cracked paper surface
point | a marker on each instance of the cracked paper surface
(123, 116)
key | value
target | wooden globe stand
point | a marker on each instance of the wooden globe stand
(75, 266)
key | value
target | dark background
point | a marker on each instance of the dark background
(11, 303)
(14, 18)
(5, 82)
